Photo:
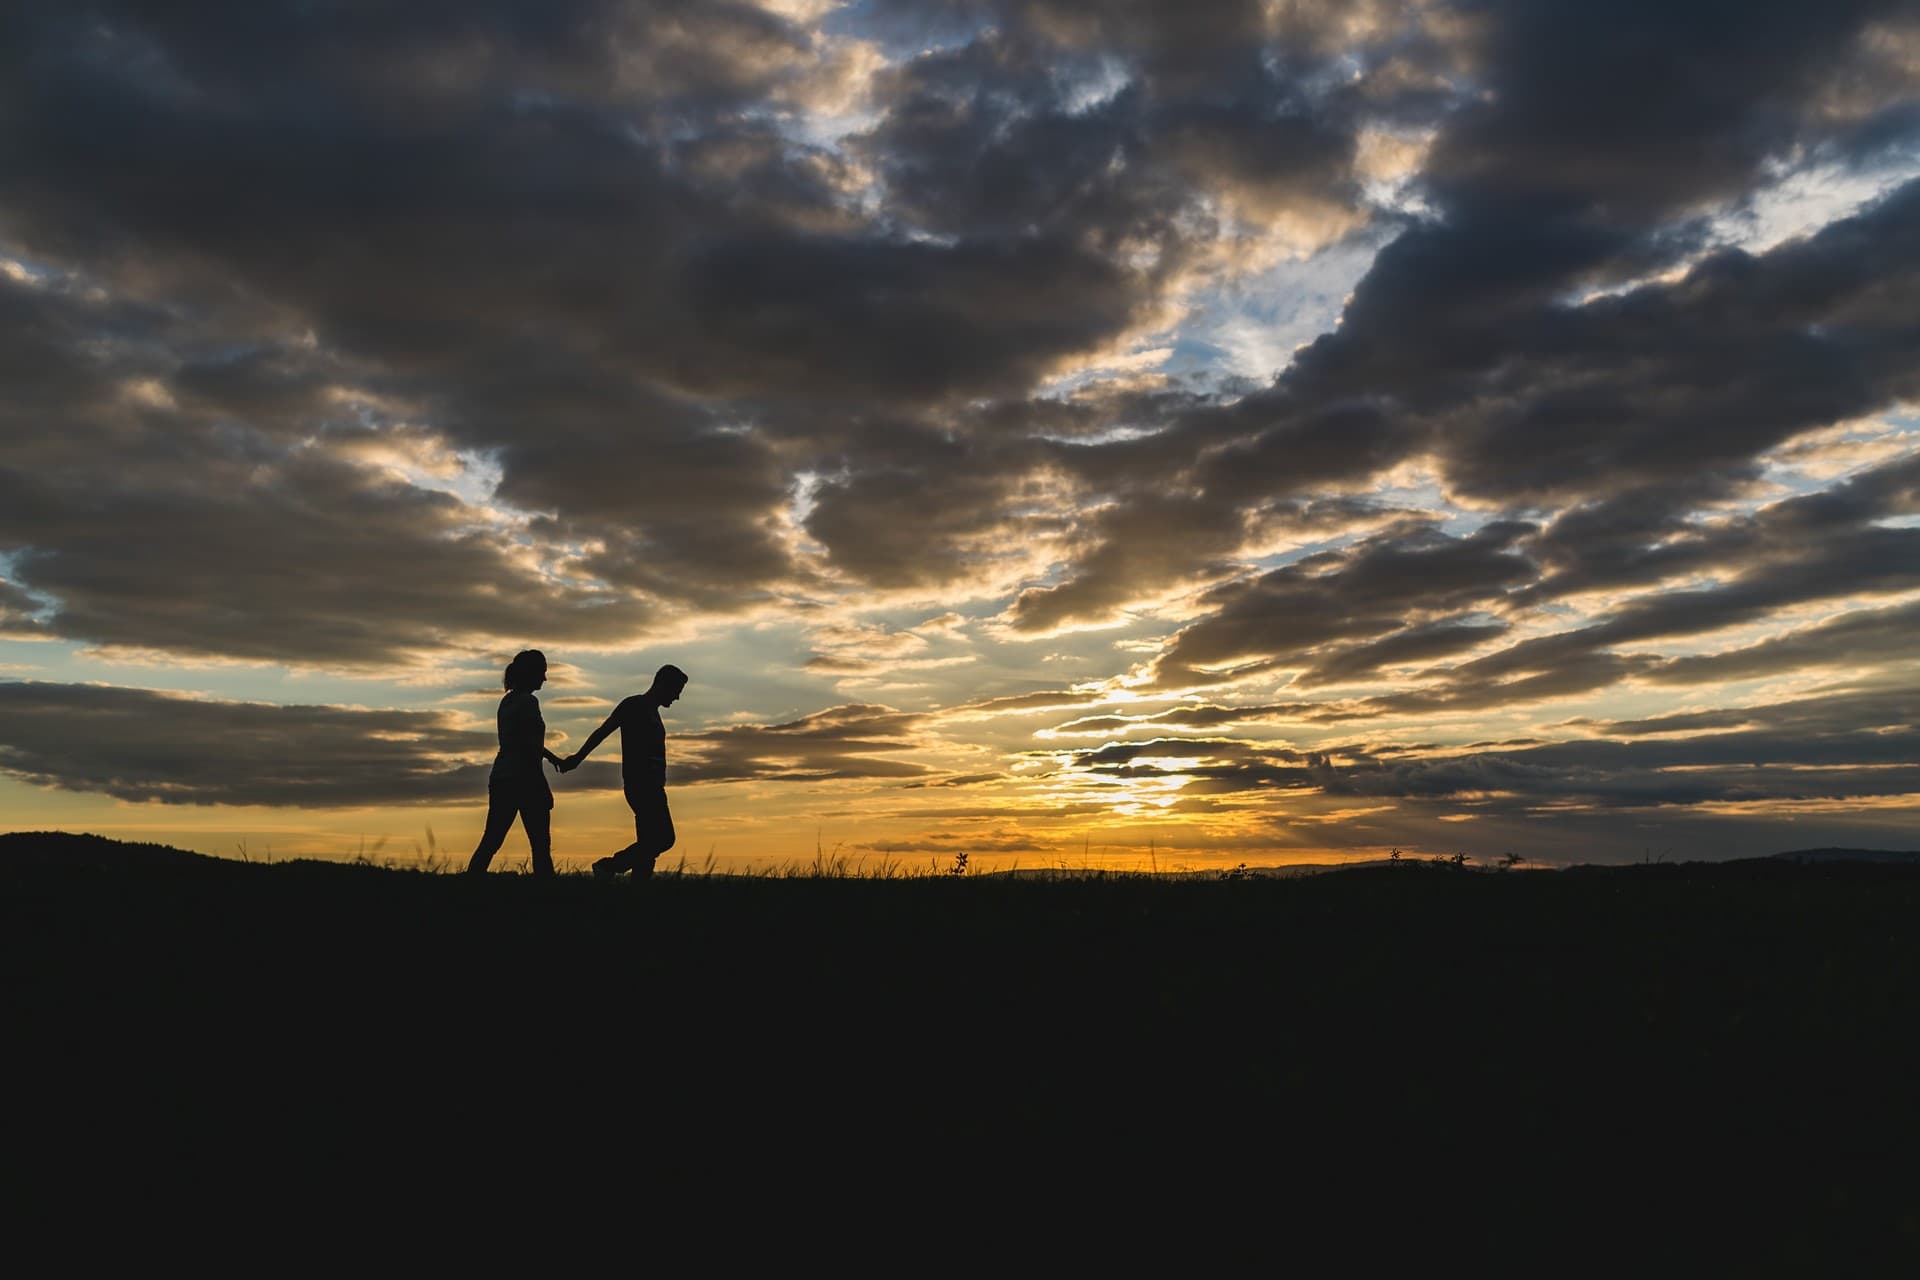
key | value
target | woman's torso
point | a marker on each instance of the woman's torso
(523, 736)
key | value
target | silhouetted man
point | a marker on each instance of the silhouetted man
(643, 772)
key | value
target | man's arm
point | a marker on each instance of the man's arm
(595, 738)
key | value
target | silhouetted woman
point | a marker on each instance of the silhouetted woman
(517, 786)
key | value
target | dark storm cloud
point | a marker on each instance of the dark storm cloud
(1864, 561)
(1399, 599)
(1340, 443)
(1126, 757)
(1205, 716)
(1580, 174)
(1871, 560)
(948, 843)
(1815, 749)
(1179, 48)
(1552, 179)
(957, 780)
(1826, 718)
(1718, 87)
(684, 511)
(1162, 535)
(851, 741)
(1137, 547)
(839, 316)
(1420, 643)
(1395, 582)
(450, 194)
(413, 244)
(134, 744)
(152, 520)
(1635, 538)
(283, 269)
(1014, 703)
(1476, 289)
(981, 140)
(548, 231)
(1609, 776)
(1799, 551)
(998, 136)
(551, 234)
(692, 52)
(1128, 135)
(1866, 637)
(1559, 670)
(1649, 401)
(17, 613)
(547, 193)
(921, 508)
(1632, 410)
(60, 350)
(272, 389)
(1663, 382)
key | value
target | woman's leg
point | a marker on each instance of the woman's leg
(499, 822)
(537, 818)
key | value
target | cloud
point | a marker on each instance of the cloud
(1861, 637)
(958, 780)
(856, 740)
(1201, 716)
(1382, 586)
(17, 613)
(1822, 748)
(1801, 550)
(925, 512)
(1146, 544)
(381, 341)
(949, 843)
(140, 745)
(210, 539)
(1015, 703)
(581, 256)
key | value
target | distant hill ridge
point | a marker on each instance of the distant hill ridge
(1849, 855)
(73, 849)
(81, 849)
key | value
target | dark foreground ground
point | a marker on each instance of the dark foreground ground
(1682, 1063)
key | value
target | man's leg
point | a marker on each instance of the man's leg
(652, 834)
(614, 863)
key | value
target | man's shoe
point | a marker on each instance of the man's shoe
(603, 869)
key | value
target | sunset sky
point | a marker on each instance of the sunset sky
(1077, 432)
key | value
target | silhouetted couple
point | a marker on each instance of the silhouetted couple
(517, 787)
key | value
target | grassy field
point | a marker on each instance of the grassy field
(1653, 1046)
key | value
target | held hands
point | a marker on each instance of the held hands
(568, 765)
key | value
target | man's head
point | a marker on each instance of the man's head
(668, 682)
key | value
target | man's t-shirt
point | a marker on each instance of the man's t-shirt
(643, 743)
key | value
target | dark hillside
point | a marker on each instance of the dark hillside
(1697, 1039)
